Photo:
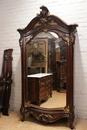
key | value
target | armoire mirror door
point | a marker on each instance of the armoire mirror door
(47, 46)
(46, 53)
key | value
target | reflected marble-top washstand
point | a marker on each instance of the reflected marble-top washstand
(50, 102)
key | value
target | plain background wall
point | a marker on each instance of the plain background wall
(16, 14)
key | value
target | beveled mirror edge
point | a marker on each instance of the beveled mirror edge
(45, 22)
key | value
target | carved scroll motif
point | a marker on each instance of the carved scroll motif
(27, 39)
(68, 40)
(20, 41)
(73, 38)
(52, 22)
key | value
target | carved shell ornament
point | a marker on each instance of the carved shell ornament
(44, 11)
(43, 18)
(45, 117)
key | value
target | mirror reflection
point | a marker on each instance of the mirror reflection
(46, 61)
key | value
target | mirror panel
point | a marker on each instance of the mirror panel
(46, 54)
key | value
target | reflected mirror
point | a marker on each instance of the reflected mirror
(46, 54)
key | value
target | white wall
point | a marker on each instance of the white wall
(16, 14)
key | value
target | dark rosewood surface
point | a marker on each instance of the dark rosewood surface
(44, 22)
(6, 81)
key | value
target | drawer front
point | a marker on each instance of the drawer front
(46, 78)
(45, 94)
(45, 87)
